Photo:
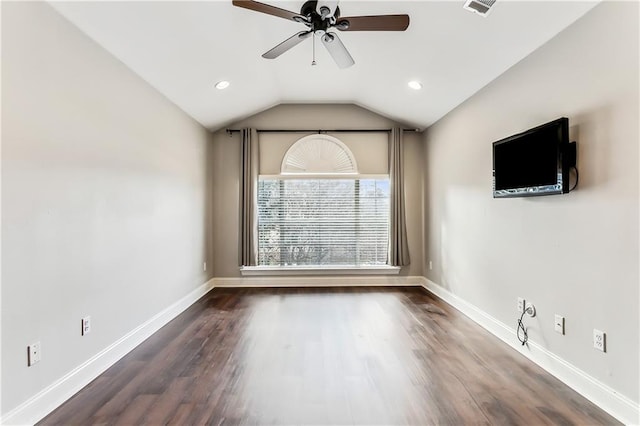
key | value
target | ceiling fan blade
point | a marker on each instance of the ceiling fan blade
(330, 6)
(292, 41)
(336, 49)
(373, 23)
(269, 10)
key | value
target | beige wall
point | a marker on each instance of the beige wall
(226, 170)
(104, 205)
(576, 254)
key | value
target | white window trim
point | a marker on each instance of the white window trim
(318, 270)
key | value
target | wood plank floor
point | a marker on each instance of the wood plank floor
(325, 356)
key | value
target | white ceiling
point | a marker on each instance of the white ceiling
(182, 48)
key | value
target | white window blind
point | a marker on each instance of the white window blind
(323, 222)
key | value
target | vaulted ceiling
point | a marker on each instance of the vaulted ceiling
(182, 48)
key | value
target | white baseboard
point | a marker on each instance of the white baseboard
(43, 403)
(617, 405)
(47, 400)
(319, 281)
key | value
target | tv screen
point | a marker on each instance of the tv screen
(534, 162)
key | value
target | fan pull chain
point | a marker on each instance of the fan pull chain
(313, 43)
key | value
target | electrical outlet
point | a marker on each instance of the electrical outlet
(520, 305)
(86, 325)
(559, 324)
(34, 354)
(599, 340)
(430, 265)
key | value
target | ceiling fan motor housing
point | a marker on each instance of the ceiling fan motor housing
(309, 8)
(317, 23)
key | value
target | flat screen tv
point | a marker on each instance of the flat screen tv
(535, 162)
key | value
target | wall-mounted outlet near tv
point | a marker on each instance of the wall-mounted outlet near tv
(534, 162)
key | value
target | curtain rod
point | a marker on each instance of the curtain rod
(320, 131)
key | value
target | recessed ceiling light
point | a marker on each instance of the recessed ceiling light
(415, 85)
(223, 84)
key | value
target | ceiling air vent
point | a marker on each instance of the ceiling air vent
(481, 7)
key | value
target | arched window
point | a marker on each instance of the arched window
(319, 154)
(320, 212)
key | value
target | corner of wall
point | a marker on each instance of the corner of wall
(617, 405)
(48, 399)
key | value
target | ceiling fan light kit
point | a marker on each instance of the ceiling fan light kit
(321, 16)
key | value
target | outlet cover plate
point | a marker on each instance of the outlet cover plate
(599, 340)
(86, 325)
(34, 354)
(559, 324)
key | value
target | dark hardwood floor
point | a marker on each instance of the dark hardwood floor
(325, 356)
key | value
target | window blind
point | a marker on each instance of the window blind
(323, 222)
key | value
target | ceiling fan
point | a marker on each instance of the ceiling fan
(321, 17)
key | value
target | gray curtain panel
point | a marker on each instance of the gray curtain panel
(398, 246)
(249, 158)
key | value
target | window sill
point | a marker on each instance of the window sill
(318, 270)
